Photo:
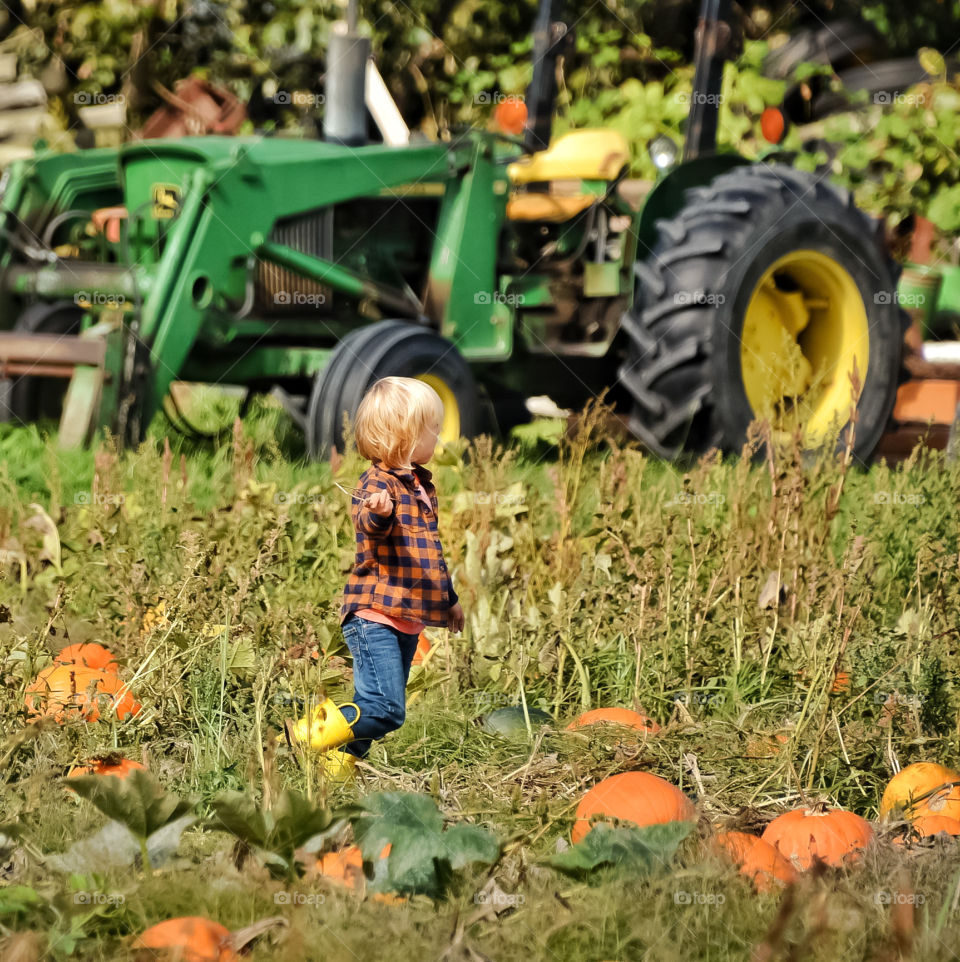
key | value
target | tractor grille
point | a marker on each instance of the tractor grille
(280, 291)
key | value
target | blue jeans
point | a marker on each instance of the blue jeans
(381, 666)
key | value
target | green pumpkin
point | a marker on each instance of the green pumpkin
(510, 723)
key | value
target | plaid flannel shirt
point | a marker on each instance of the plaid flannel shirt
(399, 568)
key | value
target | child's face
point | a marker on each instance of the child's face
(427, 442)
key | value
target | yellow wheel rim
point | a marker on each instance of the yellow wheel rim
(450, 429)
(804, 329)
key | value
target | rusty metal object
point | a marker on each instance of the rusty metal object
(193, 108)
(48, 355)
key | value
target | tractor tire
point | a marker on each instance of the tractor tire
(754, 302)
(384, 349)
(28, 399)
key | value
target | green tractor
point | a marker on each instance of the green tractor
(494, 267)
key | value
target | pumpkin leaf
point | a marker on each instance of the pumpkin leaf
(139, 801)
(115, 846)
(628, 850)
(278, 831)
(422, 855)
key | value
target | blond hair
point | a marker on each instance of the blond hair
(392, 416)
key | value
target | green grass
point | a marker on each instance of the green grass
(590, 575)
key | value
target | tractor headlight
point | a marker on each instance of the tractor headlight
(663, 152)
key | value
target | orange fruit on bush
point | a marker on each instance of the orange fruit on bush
(189, 939)
(71, 692)
(637, 797)
(923, 788)
(615, 716)
(88, 655)
(758, 860)
(833, 835)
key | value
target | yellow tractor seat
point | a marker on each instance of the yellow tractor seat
(549, 207)
(579, 154)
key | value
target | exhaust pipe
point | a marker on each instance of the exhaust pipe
(551, 38)
(345, 113)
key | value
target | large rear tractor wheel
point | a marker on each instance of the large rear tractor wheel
(759, 300)
(384, 349)
(30, 398)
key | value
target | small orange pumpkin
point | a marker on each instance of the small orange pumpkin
(923, 788)
(758, 860)
(345, 867)
(615, 716)
(88, 655)
(108, 765)
(190, 939)
(841, 683)
(70, 692)
(510, 115)
(926, 826)
(638, 797)
(423, 647)
(833, 835)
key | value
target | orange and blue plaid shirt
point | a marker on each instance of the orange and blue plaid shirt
(399, 568)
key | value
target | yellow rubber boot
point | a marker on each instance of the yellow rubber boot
(325, 728)
(338, 766)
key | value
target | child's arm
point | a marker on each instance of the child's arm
(375, 515)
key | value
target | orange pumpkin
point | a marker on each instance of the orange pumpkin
(922, 788)
(345, 867)
(841, 683)
(926, 826)
(833, 835)
(90, 655)
(71, 692)
(637, 797)
(423, 646)
(109, 765)
(510, 115)
(189, 939)
(758, 860)
(615, 716)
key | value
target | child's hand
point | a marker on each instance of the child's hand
(455, 618)
(380, 503)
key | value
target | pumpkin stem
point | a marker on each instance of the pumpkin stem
(240, 938)
(818, 808)
(145, 857)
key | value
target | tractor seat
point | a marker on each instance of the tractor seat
(580, 154)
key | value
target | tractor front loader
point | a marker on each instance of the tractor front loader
(493, 267)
